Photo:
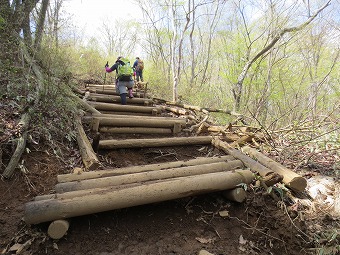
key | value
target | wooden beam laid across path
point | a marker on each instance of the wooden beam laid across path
(156, 142)
(114, 92)
(148, 176)
(142, 168)
(135, 130)
(124, 108)
(140, 122)
(117, 100)
(107, 199)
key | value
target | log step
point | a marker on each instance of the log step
(115, 99)
(139, 122)
(156, 142)
(143, 168)
(124, 108)
(147, 176)
(107, 199)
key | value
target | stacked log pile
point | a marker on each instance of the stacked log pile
(103, 190)
(91, 190)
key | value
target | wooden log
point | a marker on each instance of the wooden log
(95, 124)
(100, 86)
(123, 108)
(290, 178)
(142, 168)
(148, 176)
(190, 107)
(115, 93)
(102, 91)
(110, 199)
(237, 194)
(85, 104)
(134, 130)
(242, 140)
(117, 99)
(20, 146)
(88, 156)
(175, 110)
(135, 114)
(177, 127)
(156, 142)
(95, 142)
(249, 162)
(140, 122)
(58, 228)
(125, 115)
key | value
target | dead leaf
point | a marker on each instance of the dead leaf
(204, 240)
(16, 247)
(224, 213)
(55, 246)
(242, 240)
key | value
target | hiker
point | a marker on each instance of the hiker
(138, 66)
(124, 79)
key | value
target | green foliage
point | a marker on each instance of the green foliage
(55, 127)
(157, 79)
(327, 242)
(2, 22)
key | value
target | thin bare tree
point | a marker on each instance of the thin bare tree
(238, 87)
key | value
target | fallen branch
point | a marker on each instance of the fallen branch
(21, 144)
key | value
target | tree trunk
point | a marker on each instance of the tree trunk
(107, 199)
(157, 142)
(290, 178)
(237, 89)
(139, 169)
(40, 25)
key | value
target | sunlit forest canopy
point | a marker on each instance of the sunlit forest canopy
(275, 62)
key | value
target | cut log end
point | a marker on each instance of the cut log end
(297, 184)
(237, 195)
(58, 228)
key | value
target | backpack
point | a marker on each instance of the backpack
(140, 65)
(124, 71)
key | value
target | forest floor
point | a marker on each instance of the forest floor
(205, 224)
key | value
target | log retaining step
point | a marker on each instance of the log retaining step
(124, 108)
(107, 199)
(143, 168)
(156, 142)
(148, 176)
